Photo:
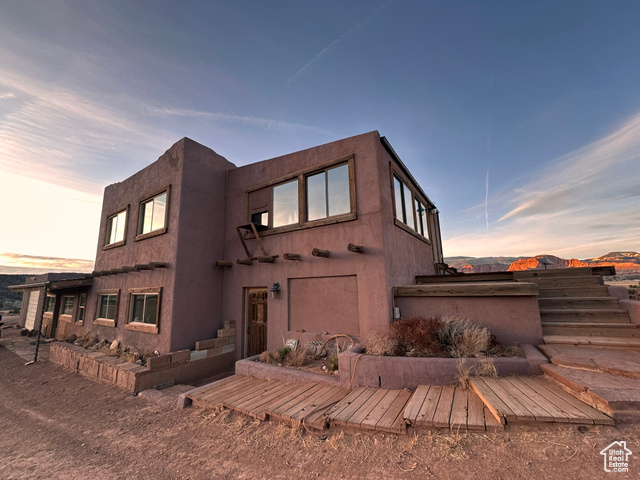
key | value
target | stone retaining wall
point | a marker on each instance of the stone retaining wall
(183, 366)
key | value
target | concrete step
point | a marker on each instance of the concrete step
(584, 291)
(564, 281)
(577, 302)
(591, 329)
(613, 395)
(620, 343)
(604, 315)
(625, 363)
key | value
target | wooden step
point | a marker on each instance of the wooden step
(631, 343)
(605, 392)
(564, 281)
(604, 315)
(573, 292)
(624, 363)
(577, 302)
(554, 272)
(591, 329)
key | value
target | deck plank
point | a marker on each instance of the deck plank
(255, 406)
(280, 412)
(491, 422)
(415, 403)
(459, 409)
(510, 396)
(364, 411)
(442, 414)
(343, 417)
(318, 419)
(475, 412)
(428, 409)
(217, 397)
(540, 406)
(296, 413)
(218, 388)
(376, 414)
(493, 402)
(392, 420)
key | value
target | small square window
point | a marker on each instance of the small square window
(81, 305)
(50, 304)
(260, 218)
(107, 308)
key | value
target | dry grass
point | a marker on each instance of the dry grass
(486, 368)
(378, 343)
(297, 358)
(463, 337)
(464, 374)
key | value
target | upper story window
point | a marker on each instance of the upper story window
(409, 209)
(328, 193)
(153, 215)
(315, 196)
(285, 204)
(116, 227)
(67, 306)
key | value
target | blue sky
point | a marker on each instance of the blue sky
(521, 120)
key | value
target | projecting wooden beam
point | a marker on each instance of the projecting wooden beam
(267, 258)
(244, 261)
(355, 248)
(153, 265)
(316, 252)
(128, 268)
(224, 263)
(143, 266)
(292, 256)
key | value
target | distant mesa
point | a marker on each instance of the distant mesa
(625, 263)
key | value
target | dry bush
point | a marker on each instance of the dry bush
(486, 368)
(506, 351)
(332, 362)
(462, 337)
(378, 343)
(88, 340)
(297, 358)
(417, 336)
(268, 357)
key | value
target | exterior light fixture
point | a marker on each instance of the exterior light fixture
(275, 290)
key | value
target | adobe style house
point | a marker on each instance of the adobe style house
(299, 246)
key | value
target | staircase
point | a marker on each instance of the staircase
(576, 309)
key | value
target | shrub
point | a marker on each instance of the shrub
(417, 336)
(378, 343)
(463, 337)
(332, 362)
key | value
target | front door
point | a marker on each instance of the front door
(256, 321)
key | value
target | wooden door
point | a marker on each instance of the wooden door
(256, 321)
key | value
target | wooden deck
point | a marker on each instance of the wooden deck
(438, 406)
(487, 406)
(534, 399)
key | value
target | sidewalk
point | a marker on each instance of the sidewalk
(21, 345)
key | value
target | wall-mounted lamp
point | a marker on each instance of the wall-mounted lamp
(275, 290)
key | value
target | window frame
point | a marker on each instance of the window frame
(139, 326)
(49, 304)
(107, 230)
(416, 199)
(140, 219)
(63, 305)
(107, 322)
(301, 176)
(81, 310)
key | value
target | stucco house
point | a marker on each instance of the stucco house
(299, 246)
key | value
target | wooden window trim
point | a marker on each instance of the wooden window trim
(107, 322)
(109, 246)
(138, 326)
(302, 203)
(160, 231)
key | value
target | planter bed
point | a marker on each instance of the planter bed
(393, 372)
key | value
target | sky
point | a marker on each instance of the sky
(521, 120)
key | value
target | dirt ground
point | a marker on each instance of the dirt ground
(58, 425)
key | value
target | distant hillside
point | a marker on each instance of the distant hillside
(625, 263)
(9, 299)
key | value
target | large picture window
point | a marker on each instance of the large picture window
(328, 193)
(116, 225)
(152, 216)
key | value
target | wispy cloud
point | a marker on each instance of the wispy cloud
(27, 263)
(268, 123)
(7, 95)
(333, 45)
(582, 204)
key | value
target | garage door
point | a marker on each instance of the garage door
(30, 322)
